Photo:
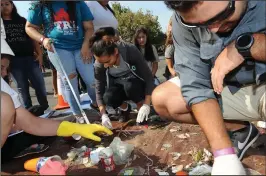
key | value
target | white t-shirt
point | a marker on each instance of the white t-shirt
(102, 17)
(14, 95)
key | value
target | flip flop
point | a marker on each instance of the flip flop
(32, 150)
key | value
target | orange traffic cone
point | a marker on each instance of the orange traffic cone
(61, 104)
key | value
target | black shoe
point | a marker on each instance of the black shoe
(244, 138)
(125, 114)
(37, 110)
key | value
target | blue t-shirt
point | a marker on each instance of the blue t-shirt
(65, 33)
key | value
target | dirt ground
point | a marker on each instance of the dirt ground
(148, 144)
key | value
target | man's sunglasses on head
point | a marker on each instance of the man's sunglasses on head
(226, 13)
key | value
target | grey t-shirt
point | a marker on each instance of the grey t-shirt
(121, 70)
(169, 52)
(196, 50)
(155, 54)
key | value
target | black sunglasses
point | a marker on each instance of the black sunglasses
(219, 17)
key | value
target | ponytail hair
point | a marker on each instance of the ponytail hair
(102, 42)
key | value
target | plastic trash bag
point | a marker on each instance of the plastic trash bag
(132, 171)
(201, 170)
(122, 151)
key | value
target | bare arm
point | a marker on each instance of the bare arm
(37, 48)
(89, 30)
(258, 50)
(154, 68)
(170, 66)
(35, 125)
(209, 116)
(169, 63)
(32, 31)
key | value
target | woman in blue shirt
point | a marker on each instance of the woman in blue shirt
(68, 24)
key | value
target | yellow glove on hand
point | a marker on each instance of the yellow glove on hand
(66, 129)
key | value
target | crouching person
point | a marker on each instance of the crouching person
(121, 74)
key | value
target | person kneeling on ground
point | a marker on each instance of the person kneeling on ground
(12, 113)
(121, 67)
(220, 57)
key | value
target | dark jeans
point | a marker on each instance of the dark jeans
(24, 69)
(123, 90)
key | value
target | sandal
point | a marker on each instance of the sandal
(36, 148)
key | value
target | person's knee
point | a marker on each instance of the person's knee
(110, 100)
(168, 102)
(135, 91)
(159, 98)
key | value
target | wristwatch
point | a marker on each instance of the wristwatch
(243, 44)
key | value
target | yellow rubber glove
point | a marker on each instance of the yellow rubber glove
(66, 129)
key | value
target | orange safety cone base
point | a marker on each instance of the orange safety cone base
(61, 104)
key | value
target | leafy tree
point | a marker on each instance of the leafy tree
(129, 21)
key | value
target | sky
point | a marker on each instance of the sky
(158, 8)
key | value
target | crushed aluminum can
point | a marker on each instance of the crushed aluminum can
(107, 159)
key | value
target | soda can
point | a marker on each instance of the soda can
(107, 159)
(108, 164)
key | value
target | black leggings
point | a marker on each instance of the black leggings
(17, 143)
(123, 90)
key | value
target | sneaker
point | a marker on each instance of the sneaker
(243, 138)
(125, 114)
(36, 148)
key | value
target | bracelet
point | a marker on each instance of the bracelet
(226, 151)
(42, 39)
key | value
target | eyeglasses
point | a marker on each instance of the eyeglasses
(226, 13)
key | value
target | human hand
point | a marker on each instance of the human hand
(227, 61)
(227, 165)
(47, 44)
(143, 113)
(67, 129)
(86, 53)
(106, 121)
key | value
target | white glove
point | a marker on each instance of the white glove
(144, 112)
(228, 165)
(106, 121)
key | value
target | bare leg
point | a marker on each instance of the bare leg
(174, 107)
(8, 113)
(54, 77)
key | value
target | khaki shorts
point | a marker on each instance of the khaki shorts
(247, 104)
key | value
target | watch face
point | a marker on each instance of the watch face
(244, 41)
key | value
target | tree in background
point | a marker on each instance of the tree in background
(129, 21)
